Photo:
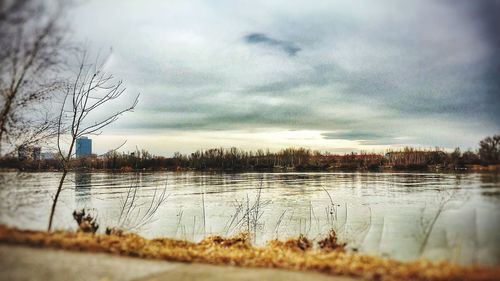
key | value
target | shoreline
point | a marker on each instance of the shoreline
(238, 251)
(474, 169)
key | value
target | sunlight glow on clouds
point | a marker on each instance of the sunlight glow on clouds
(188, 141)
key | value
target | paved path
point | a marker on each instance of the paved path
(24, 263)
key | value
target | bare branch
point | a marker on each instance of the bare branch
(91, 90)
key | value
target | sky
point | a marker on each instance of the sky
(336, 76)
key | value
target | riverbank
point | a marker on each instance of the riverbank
(381, 169)
(291, 255)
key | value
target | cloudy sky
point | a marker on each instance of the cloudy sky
(329, 75)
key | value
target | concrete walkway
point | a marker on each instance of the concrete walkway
(24, 263)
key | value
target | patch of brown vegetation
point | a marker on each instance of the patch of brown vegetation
(86, 222)
(114, 231)
(300, 243)
(241, 240)
(330, 242)
(238, 251)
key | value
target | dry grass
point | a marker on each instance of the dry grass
(238, 251)
(330, 242)
(300, 243)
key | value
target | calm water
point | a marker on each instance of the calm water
(387, 214)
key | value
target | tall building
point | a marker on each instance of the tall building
(83, 147)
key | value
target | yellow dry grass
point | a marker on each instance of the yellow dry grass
(238, 251)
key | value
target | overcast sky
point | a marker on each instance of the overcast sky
(329, 75)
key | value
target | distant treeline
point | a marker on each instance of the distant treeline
(299, 159)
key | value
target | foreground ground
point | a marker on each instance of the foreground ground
(25, 263)
(296, 254)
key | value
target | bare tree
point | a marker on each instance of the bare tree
(91, 90)
(31, 45)
(489, 150)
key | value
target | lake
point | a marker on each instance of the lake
(399, 215)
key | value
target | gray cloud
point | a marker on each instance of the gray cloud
(363, 137)
(259, 38)
(352, 135)
(489, 12)
(420, 72)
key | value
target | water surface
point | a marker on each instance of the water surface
(386, 214)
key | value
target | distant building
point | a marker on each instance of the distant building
(83, 147)
(23, 153)
(36, 154)
(28, 152)
(47, 156)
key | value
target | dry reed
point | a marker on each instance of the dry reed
(238, 251)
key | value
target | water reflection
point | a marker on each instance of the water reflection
(489, 180)
(83, 184)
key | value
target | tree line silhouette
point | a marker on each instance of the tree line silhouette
(299, 159)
